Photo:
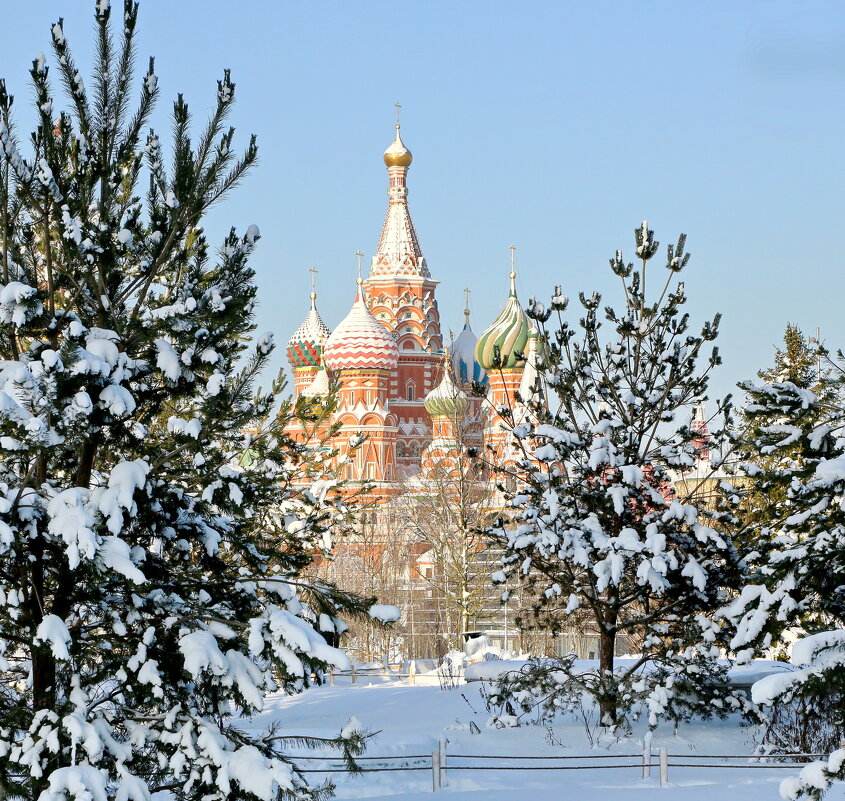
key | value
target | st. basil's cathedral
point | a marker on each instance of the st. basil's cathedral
(409, 403)
(399, 384)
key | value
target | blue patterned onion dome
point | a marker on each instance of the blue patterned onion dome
(508, 334)
(447, 398)
(466, 368)
(360, 342)
(305, 347)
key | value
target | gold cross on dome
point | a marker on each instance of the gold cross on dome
(313, 271)
(398, 110)
(359, 256)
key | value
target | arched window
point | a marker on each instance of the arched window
(400, 450)
(415, 449)
(411, 392)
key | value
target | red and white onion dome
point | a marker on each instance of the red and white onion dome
(360, 342)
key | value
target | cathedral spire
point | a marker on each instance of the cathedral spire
(399, 252)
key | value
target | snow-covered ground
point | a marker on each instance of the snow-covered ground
(412, 719)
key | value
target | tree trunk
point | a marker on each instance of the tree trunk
(607, 698)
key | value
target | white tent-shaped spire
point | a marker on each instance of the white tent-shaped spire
(399, 251)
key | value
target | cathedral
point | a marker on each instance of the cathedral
(407, 409)
(400, 386)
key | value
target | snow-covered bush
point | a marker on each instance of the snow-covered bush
(806, 711)
(544, 688)
(149, 547)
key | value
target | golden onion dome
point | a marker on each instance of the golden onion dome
(397, 155)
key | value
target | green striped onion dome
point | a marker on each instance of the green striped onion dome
(305, 347)
(447, 398)
(508, 333)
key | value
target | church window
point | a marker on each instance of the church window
(415, 449)
(411, 392)
(400, 450)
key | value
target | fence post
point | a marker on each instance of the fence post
(353, 674)
(441, 747)
(435, 770)
(664, 767)
(646, 757)
(412, 671)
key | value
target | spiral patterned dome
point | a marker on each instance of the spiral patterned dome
(467, 369)
(508, 334)
(360, 342)
(447, 398)
(305, 347)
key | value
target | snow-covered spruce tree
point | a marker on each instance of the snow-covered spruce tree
(797, 451)
(139, 612)
(597, 524)
(781, 436)
(794, 456)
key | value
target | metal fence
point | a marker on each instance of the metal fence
(409, 672)
(440, 763)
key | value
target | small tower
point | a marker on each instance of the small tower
(469, 374)
(528, 390)
(467, 369)
(305, 347)
(501, 352)
(447, 405)
(400, 293)
(701, 441)
(361, 353)
(320, 386)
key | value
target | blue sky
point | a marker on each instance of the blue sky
(556, 126)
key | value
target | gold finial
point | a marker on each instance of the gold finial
(313, 271)
(466, 305)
